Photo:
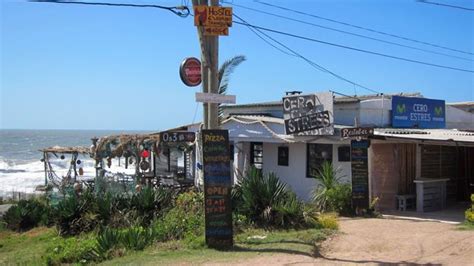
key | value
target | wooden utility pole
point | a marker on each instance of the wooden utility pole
(214, 76)
(210, 73)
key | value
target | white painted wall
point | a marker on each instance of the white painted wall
(295, 173)
(459, 119)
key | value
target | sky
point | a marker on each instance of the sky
(91, 67)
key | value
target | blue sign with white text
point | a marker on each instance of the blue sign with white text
(410, 112)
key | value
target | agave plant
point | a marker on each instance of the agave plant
(331, 194)
(149, 203)
(258, 195)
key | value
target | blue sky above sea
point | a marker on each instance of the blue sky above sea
(84, 67)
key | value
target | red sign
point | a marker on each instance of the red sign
(190, 71)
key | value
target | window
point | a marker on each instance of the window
(344, 154)
(316, 154)
(256, 154)
(283, 156)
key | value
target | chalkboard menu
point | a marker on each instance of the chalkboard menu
(360, 174)
(217, 188)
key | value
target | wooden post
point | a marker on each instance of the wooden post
(205, 63)
(214, 75)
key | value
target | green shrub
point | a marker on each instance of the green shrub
(265, 201)
(150, 203)
(331, 194)
(107, 240)
(136, 238)
(469, 214)
(328, 221)
(27, 214)
(74, 215)
(71, 250)
(186, 218)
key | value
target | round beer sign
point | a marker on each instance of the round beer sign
(190, 71)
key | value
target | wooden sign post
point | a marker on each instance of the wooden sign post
(360, 174)
(217, 189)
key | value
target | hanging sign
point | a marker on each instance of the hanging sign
(216, 31)
(212, 16)
(309, 114)
(214, 98)
(190, 71)
(411, 112)
(217, 189)
(216, 20)
(177, 136)
(360, 174)
(357, 133)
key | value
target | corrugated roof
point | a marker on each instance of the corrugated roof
(427, 134)
(338, 99)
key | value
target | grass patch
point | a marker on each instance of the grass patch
(25, 248)
(248, 244)
(466, 226)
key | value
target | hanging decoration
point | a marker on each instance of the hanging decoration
(144, 165)
(145, 153)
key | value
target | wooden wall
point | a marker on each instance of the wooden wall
(392, 171)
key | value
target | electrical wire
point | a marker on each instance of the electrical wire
(354, 49)
(347, 32)
(362, 28)
(313, 64)
(181, 11)
(445, 5)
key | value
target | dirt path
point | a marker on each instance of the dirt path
(383, 241)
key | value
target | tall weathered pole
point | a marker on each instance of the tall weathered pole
(205, 59)
(214, 76)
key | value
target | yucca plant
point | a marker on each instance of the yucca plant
(150, 203)
(107, 240)
(136, 238)
(331, 194)
(290, 212)
(258, 195)
(27, 214)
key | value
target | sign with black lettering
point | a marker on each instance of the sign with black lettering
(217, 189)
(178, 136)
(360, 174)
(309, 114)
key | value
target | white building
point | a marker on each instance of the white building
(396, 156)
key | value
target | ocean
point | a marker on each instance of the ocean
(20, 167)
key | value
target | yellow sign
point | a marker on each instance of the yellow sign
(216, 31)
(214, 16)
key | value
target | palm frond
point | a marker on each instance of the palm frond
(226, 69)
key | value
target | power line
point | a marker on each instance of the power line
(355, 49)
(182, 11)
(445, 5)
(347, 32)
(363, 28)
(313, 64)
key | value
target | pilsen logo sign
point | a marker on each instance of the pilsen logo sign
(190, 71)
(309, 114)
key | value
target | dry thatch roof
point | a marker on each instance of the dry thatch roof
(68, 150)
